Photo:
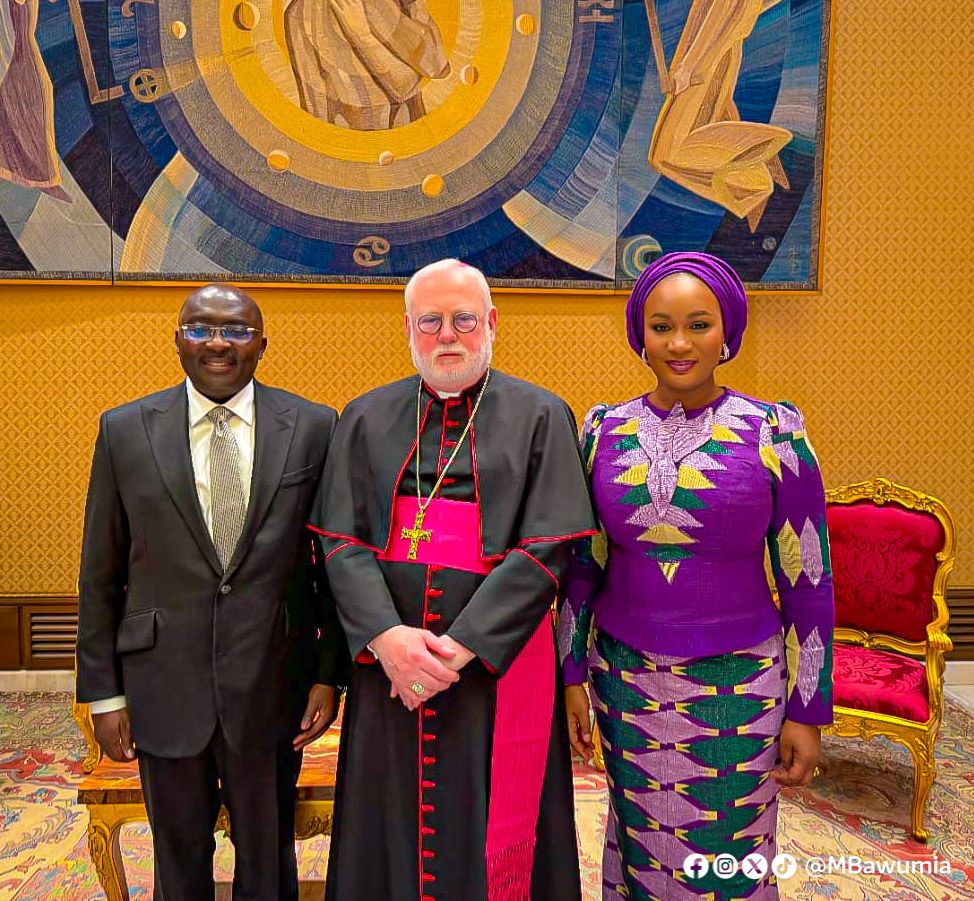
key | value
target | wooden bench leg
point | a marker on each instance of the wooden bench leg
(104, 824)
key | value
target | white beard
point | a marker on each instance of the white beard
(454, 378)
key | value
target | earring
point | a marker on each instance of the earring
(724, 353)
(642, 356)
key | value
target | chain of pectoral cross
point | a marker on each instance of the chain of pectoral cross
(417, 533)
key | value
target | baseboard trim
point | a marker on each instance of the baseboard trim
(37, 680)
(959, 672)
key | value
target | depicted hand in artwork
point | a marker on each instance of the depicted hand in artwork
(351, 15)
(361, 63)
(680, 80)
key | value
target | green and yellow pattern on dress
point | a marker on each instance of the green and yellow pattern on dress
(591, 554)
(711, 722)
(798, 548)
(667, 461)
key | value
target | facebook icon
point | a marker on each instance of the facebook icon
(695, 866)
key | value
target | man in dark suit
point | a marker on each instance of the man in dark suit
(197, 624)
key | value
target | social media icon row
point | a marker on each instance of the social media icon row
(726, 866)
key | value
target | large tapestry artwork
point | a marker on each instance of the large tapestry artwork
(552, 143)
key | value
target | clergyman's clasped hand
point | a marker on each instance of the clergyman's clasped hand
(418, 663)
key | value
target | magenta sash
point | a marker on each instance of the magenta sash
(522, 734)
(454, 528)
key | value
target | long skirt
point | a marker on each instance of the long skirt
(689, 744)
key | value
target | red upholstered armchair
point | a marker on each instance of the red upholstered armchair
(892, 550)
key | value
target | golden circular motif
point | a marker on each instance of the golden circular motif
(246, 16)
(247, 59)
(178, 30)
(525, 24)
(279, 160)
(148, 85)
(238, 104)
(432, 185)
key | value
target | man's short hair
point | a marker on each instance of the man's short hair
(449, 263)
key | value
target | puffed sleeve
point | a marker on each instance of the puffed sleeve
(799, 551)
(509, 604)
(585, 574)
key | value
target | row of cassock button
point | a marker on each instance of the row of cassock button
(427, 754)
(426, 713)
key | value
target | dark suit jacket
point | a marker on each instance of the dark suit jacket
(188, 644)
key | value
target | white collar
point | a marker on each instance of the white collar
(241, 404)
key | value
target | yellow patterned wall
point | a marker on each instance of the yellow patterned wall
(880, 362)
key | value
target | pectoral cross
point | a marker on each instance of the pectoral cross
(416, 534)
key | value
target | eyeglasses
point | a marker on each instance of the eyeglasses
(199, 333)
(431, 323)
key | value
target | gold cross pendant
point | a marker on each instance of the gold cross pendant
(416, 534)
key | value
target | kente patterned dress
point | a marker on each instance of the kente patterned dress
(693, 666)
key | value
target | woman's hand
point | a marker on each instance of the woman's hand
(579, 721)
(800, 748)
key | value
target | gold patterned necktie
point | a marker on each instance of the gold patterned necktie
(227, 506)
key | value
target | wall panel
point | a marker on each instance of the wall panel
(878, 362)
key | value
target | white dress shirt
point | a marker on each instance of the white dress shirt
(200, 432)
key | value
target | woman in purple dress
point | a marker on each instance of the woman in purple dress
(709, 696)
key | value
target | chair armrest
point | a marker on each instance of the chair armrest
(938, 641)
(938, 644)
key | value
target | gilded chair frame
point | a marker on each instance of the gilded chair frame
(919, 738)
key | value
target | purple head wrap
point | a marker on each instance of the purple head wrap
(713, 272)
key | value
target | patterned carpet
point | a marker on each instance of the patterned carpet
(859, 806)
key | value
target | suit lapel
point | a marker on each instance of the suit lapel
(275, 429)
(167, 427)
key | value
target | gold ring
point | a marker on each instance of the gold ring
(418, 687)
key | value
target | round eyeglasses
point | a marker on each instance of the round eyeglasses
(431, 323)
(199, 333)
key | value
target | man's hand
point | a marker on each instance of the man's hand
(579, 721)
(410, 656)
(462, 655)
(319, 714)
(800, 747)
(114, 734)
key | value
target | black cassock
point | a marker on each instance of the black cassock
(414, 788)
